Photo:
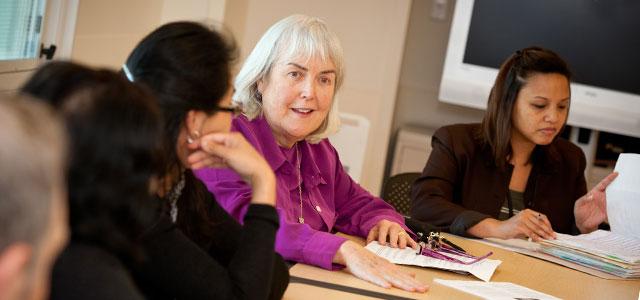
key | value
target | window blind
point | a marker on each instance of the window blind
(20, 24)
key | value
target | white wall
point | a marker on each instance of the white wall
(372, 33)
(107, 31)
(176, 10)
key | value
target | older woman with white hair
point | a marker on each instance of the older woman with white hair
(287, 89)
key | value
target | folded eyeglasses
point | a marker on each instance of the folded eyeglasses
(438, 247)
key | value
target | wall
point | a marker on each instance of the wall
(107, 31)
(372, 33)
(422, 65)
(424, 53)
(211, 10)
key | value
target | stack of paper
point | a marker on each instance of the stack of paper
(532, 249)
(483, 269)
(602, 250)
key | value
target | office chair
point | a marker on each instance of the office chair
(397, 191)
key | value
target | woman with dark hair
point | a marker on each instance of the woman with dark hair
(511, 176)
(187, 66)
(114, 132)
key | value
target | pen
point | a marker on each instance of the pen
(452, 245)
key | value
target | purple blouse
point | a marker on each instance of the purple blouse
(331, 200)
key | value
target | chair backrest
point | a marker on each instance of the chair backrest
(397, 191)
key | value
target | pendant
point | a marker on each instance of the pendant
(318, 208)
(301, 220)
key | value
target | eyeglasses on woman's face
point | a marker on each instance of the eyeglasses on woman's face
(235, 110)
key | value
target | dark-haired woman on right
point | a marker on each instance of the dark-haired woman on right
(510, 176)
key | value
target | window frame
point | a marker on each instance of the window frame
(58, 28)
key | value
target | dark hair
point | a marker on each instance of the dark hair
(188, 66)
(513, 75)
(115, 132)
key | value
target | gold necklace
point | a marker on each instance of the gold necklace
(300, 218)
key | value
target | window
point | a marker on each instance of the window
(20, 24)
(25, 25)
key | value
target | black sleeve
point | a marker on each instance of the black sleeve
(87, 272)
(240, 263)
(248, 252)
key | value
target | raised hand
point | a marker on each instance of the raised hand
(231, 150)
(591, 209)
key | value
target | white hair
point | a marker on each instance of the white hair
(296, 36)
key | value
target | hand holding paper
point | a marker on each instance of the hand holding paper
(591, 209)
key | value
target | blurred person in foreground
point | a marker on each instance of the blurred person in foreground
(33, 211)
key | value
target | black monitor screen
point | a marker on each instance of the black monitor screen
(600, 39)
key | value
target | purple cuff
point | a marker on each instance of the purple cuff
(321, 248)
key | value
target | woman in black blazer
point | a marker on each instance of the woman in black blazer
(511, 176)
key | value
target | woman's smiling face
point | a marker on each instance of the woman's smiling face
(297, 97)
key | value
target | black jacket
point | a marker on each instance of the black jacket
(461, 185)
(238, 262)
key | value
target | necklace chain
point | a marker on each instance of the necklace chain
(173, 196)
(300, 218)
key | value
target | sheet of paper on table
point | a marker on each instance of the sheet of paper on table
(623, 197)
(483, 269)
(495, 290)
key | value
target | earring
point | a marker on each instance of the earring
(258, 96)
(190, 140)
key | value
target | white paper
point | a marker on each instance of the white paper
(483, 269)
(623, 197)
(495, 290)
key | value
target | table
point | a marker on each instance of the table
(530, 272)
